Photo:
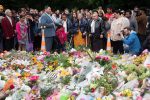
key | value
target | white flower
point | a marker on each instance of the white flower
(2, 83)
(26, 88)
(73, 50)
(9, 98)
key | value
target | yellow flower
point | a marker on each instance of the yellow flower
(34, 59)
(64, 73)
(51, 68)
(127, 92)
(70, 60)
(55, 63)
(98, 98)
(59, 68)
(4, 65)
(39, 66)
(18, 74)
(71, 98)
(107, 98)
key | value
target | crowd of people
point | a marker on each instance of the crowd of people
(129, 30)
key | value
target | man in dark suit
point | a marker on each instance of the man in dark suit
(50, 28)
(8, 26)
(97, 33)
(1, 33)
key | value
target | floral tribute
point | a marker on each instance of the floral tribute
(74, 75)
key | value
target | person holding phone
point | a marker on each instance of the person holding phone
(131, 40)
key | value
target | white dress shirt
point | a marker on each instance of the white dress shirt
(93, 26)
(65, 25)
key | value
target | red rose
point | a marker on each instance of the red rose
(92, 90)
(19, 76)
(12, 87)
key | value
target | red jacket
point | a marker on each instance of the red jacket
(8, 29)
(62, 36)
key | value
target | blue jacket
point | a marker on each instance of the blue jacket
(133, 42)
(47, 21)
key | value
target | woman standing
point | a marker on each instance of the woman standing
(37, 34)
(74, 27)
(21, 28)
(81, 28)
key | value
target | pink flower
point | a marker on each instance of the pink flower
(106, 58)
(47, 53)
(42, 60)
(50, 98)
(74, 94)
(145, 51)
(34, 78)
(29, 97)
(63, 52)
(98, 57)
(139, 98)
(54, 97)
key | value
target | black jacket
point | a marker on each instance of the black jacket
(1, 33)
(76, 25)
(99, 28)
(146, 44)
(31, 25)
(69, 25)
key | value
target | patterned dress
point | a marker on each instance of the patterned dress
(23, 34)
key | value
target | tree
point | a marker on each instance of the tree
(61, 4)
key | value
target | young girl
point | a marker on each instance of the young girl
(21, 28)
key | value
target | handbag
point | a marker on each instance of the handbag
(29, 44)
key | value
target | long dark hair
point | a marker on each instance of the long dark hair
(72, 18)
